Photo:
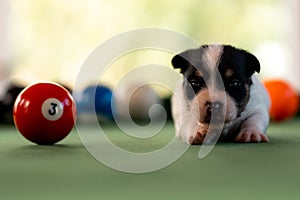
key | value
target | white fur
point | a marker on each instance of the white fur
(212, 55)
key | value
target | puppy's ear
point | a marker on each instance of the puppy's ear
(179, 62)
(252, 63)
(247, 61)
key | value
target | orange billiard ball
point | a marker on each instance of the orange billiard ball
(284, 100)
(44, 113)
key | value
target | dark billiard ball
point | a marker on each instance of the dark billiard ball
(9, 91)
(44, 113)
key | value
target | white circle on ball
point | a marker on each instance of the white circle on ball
(52, 109)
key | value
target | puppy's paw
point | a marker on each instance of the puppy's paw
(196, 138)
(251, 135)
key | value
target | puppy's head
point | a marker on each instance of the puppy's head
(217, 81)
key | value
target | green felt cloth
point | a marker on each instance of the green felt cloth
(231, 171)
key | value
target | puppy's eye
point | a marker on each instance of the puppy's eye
(235, 83)
(197, 84)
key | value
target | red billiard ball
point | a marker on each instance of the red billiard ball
(44, 113)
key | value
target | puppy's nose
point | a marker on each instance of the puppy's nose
(213, 107)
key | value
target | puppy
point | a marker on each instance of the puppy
(219, 98)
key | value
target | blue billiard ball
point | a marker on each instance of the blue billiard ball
(96, 99)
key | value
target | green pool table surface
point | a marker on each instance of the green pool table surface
(231, 171)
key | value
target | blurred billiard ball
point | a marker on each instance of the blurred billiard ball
(95, 100)
(44, 113)
(284, 99)
(9, 91)
(138, 100)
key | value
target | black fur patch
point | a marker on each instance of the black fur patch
(243, 64)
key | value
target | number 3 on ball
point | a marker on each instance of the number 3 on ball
(52, 109)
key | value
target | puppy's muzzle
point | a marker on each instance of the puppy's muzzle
(214, 112)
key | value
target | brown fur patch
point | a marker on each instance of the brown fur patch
(229, 73)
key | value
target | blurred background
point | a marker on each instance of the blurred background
(50, 39)
(43, 39)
